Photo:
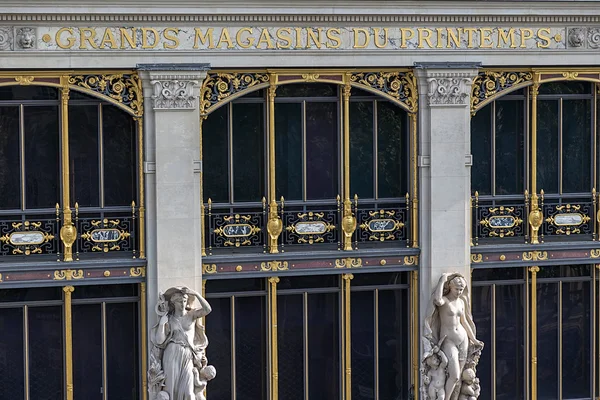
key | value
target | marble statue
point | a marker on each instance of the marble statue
(451, 350)
(179, 368)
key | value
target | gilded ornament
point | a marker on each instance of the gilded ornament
(488, 84)
(411, 260)
(106, 273)
(218, 87)
(570, 75)
(68, 274)
(274, 266)
(476, 258)
(535, 255)
(502, 257)
(135, 272)
(382, 262)
(239, 268)
(310, 77)
(595, 253)
(401, 86)
(122, 89)
(209, 268)
(348, 263)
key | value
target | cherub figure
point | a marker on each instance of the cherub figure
(436, 375)
(470, 388)
(201, 378)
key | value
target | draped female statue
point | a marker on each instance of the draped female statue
(179, 369)
(449, 343)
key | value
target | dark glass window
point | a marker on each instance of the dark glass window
(577, 145)
(392, 150)
(122, 365)
(46, 353)
(19, 92)
(248, 151)
(510, 139)
(290, 342)
(10, 160)
(547, 145)
(12, 365)
(42, 162)
(322, 172)
(83, 152)
(219, 354)
(547, 322)
(363, 356)
(87, 351)
(361, 149)
(307, 90)
(216, 155)
(250, 344)
(119, 150)
(289, 147)
(481, 148)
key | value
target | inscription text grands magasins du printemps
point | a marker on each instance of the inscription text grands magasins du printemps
(299, 38)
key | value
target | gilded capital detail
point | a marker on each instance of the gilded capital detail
(451, 89)
(174, 94)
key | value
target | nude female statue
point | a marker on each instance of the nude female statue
(182, 341)
(450, 318)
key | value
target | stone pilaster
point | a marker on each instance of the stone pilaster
(172, 168)
(445, 171)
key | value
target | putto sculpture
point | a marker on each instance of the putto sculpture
(451, 350)
(179, 368)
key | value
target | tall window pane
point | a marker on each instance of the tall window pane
(323, 346)
(248, 151)
(510, 134)
(288, 148)
(122, 366)
(577, 145)
(215, 153)
(87, 352)
(250, 344)
(322, 172)
(11, 354)
(42, 164)
(218, 330)
(481, 148)
(547, 328)
(391, 150)
(10, 192)
(83, 153)
(363, 344)
(361, 149)
(482, 316)
(119, 134)
(290, 342)
(547, 146)
(46, 353)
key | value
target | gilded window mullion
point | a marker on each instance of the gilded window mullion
(414, 296)
(414, 194)
(375, 151)
(230, 150)
(535, 216)
(376, 330)
(104, 354)
(527, 336)
(233, 355)
(493, 148)
(274, 224)
(274, 360)
(347, 337)
(144, 342)
(68, 232)
(534, 271)
(142, 208)
(202, 211)
(101, 153)
(594, 139)
(560, 339)
(68, 327)
(560, 146)
(594, 330)
(348, 220)
(26, 349)
(305, 338)
(304, 147)
(494, 359)
(22, 152)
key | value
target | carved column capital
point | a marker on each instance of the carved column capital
(174, 94)
(447, 84)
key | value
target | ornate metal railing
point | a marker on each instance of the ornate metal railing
(99, 231)
(504, 218)
(242, 227)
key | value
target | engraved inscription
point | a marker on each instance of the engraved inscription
(26, 238)
(502, 221)
(105, 235)
(568, 219)
(237, 230)
(382, 225)
(310, 228)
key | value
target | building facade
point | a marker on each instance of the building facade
(312, 170)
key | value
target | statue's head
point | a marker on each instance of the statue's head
(208, 373)
(179, 301)
(468, 376)
(455, 285)
(433, 361)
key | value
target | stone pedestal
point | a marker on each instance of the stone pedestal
(445, 171)
(172, 167)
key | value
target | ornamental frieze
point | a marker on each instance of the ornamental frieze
(288, 38)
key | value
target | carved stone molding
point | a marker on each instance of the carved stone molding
(454, 89)
(6, 38)
(584, 38)
(174, 94)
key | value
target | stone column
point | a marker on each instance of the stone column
(445, 171)
(172, 167)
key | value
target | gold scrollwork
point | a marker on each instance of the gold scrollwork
(401, 86)
(348, 263)
(274, 266)
(25, 240)
(476, 258)
(501, 221)
(595, 253)
(1, 278)
(218, 87)
(123, 89)
(209, 268)
(411, 260)
(68, 274)
(237, 230)
(24, 79)
(488, 83)
(382, 225)
(135, 272)
(310, 77)
(535, 255)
